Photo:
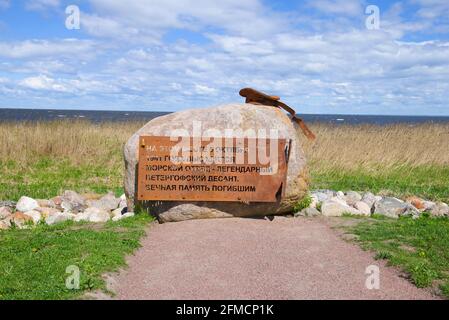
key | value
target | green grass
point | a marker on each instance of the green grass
(33, 262)
(420, 247)
(47, 178)
(429, 182)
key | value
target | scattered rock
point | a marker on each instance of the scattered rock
(341, 195)
(43, 203)
(123, 216)
(335, 208)
(369, 199)
(71, 200)
(416, 202)
(119, 212)
(123, 202)
(26, 204)
(189, 211)
(93, 214)
(46, 211)
(411, 211)
(57, 201)
(429, 205)
(352, 197)
(390, 207)
(363, 207)
(20, 219)
(322, 195)
(10, 204)
(308, 212)
(441, 209)
(108, 202)
(35, 215)
(59, 218)
(5, 212)
(4, 225)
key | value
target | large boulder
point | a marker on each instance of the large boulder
(232, 116)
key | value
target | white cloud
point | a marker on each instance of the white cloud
(4, 4)
(41, 4)
(36, 48)
(345, 7)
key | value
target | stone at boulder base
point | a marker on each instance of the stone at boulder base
(335, 208)
(26, 204)
(369, 199)
(390, 207)
(5, 212)
(20, 219)
(93, 214)
(108, 202)
(35, 215)
(238, 117)
(440, 210)
(59, 218)
(364, 208)
(4, 225)
(308, 212)
(123, 216)
(352, 197)
(70, 200)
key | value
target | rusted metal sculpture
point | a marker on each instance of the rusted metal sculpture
(255, 97)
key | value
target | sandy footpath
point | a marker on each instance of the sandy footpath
(254, 259)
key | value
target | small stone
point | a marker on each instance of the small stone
(416, 202)
(308, 212)
(441, 209)
(93, 214)
(20, 219)
(70, 200)
(335, 208)
(56, 200)
(124, 216)
(35, 215)
(363, 207)
(369, 199)
(322, 195)
(5, 212)
(390, 207)
(119, 212)
(43, 203)
(46, 211)
(26, 204)
(59, 218)
(341, 195)
(108, 202)
(4, 225)
(10, 204)
(352, 197)
(411, 211)
(429, 205)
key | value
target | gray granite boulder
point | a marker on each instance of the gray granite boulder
(231, 116)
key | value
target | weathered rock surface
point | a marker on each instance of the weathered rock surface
(108, 202)
(308, 212)
(26, 204)
(35, 215)
(5, 212)
(440, 210)
(352, 197)
(390, 207)
(233, 116)
(364, 208)
(369, 199)
(59, 217)
(123, 216)
(336, 208)
(93, 214)
(19, 219)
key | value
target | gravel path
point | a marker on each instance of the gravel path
(254, 259)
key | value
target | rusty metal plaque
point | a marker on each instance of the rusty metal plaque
(219, 169)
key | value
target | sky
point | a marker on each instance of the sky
(320, 56)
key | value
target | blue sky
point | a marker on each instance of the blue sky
(168, 55)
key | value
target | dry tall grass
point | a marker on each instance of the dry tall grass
(372, 147)
(346, 147)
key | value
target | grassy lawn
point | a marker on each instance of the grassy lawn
(41, 160)
(420, 247)
(33, 262)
